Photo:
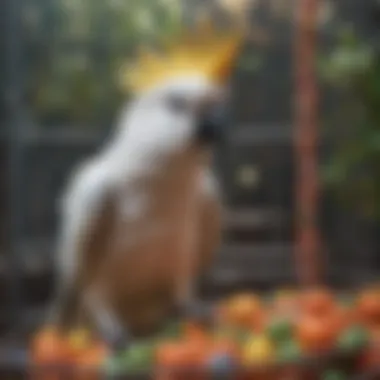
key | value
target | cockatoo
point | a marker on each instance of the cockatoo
(142, 218)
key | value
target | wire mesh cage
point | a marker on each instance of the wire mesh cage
(60, 94)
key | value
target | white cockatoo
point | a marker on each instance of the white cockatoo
(141, 219)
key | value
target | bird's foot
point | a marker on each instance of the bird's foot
(117, 343)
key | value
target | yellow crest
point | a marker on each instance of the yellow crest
(204, 51)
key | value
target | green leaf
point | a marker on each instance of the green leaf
(280, 330)
(289, 352)
(334, 375)
(353, 339)
(139, 357)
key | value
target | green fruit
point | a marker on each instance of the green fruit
(114, 366)
(334, 375)
(289, 352)
(139, 357)
(353, 339)
(280, 330)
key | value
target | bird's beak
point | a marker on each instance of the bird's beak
(213, 119)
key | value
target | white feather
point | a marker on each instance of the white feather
(152, 146)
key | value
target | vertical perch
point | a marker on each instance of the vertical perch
(306, 143)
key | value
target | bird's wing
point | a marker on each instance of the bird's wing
(85, 212)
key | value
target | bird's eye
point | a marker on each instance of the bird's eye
(178, 103)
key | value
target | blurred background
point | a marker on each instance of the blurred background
(60, 95)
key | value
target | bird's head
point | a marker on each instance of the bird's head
(180, 95)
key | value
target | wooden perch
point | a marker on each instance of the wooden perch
(306, 143)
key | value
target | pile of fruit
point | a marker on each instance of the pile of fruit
(76, 356)
(248, 333)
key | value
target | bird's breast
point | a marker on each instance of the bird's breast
(142, 274)
(149, 241)
(145, 257)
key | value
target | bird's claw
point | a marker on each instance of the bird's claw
(117, 342)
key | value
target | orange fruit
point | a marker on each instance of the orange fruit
(90, 361)
(244, 310)
(195, 332)
(368, 307)
(316, 334)
(74, 351)
(340, 318)
(317, 301)
(48, 346)
(179, 354)
(47, 349)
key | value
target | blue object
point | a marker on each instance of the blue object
(222, 365)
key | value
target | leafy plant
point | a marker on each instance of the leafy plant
(77, 47)
(353, 69)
